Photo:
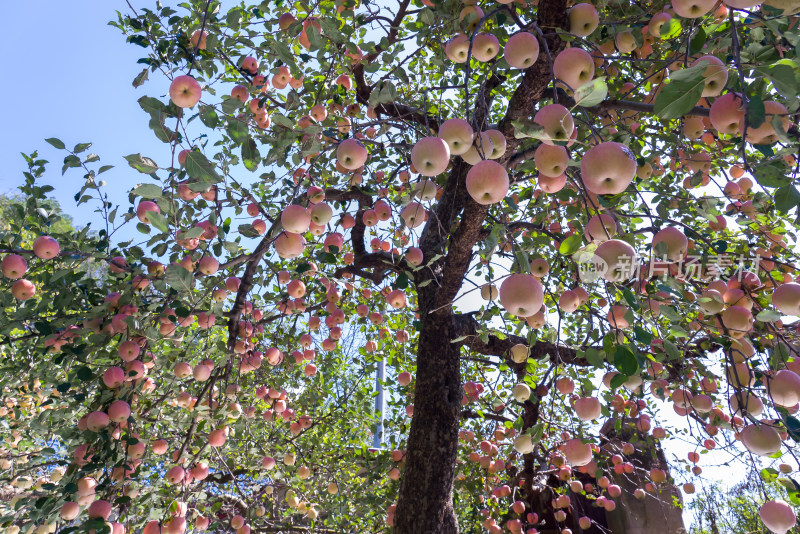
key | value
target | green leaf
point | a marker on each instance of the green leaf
(247, 230)
(783, 77)
(697, 41)
(56, 143)
(523, 262)
(238, 131)
(84, 373)
(147, 191)
(141, 77)
(682, 93)
(250, 155)
(617, 381)
(786, 198)
(199, 168)
(571, 244)
(592, 93)
(772, 175)
(792, 427)
(179, 278)
(192, 233)
(768, 316)
(141, 163)
(158, 220)
(671, 29)
(153, 106)
(625, 361)
(755, 112)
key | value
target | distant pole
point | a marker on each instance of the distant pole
(377, 439)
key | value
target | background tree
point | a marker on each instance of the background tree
(371, 165)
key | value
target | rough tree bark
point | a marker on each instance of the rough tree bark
(425, 504)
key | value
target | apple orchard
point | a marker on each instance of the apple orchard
(423, 184)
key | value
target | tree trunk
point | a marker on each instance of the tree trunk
(425, 505)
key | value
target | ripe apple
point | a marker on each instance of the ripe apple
(198, 39)
(657, 22)
(587, 408)
(69, 510)
(250, 65)
(583, 19)
(481, 149)
(608, 168)
(765, 134)
(289, 245)
(618, 259)
(498, 143)
(568, 301)
(522, 295)
(45, 247)
(396, 299)
(674, 240)
(295, 219)
(552, 184)
(351, 154)
(430, 156)
(414, 256)
(600, 228)
(778, 516)
(321, 213)
(692, 9)
(727, 113)
(413, 214)
(786, 298)
(458, 135)
(457, 48)
(574, 67)
(240, 93)
(13, 266)
(485, 47)
(577, 452)
(625, 42)
(760, 439)
(738, 320)
(23, 289)
(551, 160)
(184, 91)
(144, 207)
(716, 75)
(521, 50)
(487, 182)
(557, 123)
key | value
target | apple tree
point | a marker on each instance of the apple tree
(569, 230)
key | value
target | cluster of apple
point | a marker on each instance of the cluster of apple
(571, 460)
(14, 266)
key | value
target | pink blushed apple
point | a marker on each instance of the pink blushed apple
(143, 208)
(608, 168)
(23, 289)
(522, 295)
(557, 122)
(185, 91)
(458, 135)
(521, 50)
(574, 67)
(13, 266)
(583, 19)
(45, 247)
(487, 182)
(430, 156)
(351, 154)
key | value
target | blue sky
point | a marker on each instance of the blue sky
(78, 73)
